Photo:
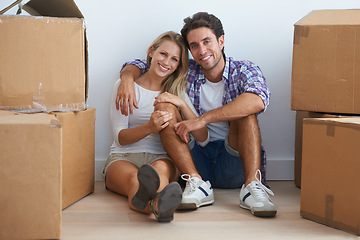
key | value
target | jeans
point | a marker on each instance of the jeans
(219, 163)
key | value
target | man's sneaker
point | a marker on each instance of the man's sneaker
(255, 198)
(197, 193)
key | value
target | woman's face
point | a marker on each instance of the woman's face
(165, 59)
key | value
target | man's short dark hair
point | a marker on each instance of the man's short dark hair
(202, 19)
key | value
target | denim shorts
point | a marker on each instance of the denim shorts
(219, 163)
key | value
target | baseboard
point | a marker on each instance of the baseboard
(275, 169)
(99, 165)
(280, 170)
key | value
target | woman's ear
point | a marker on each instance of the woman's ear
(151, 50)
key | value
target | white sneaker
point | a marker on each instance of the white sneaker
(197, 193)
(255, 198)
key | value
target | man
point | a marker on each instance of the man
(228, 95)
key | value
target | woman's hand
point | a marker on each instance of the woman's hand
(169, 98)
(159, 120)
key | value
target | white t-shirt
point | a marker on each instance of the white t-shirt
(145, 99)
(211, 95)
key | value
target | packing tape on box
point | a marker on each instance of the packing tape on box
(300, 32)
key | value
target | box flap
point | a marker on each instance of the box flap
(40, 118)
(53, 8)
(351, 121)
(10, 6)
(6, 113)
(331, 17)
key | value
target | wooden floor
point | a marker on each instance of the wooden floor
(104, 215)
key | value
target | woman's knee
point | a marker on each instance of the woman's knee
(165, 167)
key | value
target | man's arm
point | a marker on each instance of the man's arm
(244, 105)
(126, 94)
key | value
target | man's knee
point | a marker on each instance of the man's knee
(244, 125)
(243, 129)
(169, 107)
(250, 120)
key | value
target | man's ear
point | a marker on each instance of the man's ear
(221, 41)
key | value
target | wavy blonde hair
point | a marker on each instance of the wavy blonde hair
(175, 82)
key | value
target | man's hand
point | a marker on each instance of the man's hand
(183, 128)
(126, 98)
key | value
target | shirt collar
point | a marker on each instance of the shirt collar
(225, 75)
(226, 72)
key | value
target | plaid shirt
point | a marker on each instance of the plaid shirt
(239, 77)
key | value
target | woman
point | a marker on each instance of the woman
(138, 166)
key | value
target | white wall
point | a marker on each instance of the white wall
(257, 30)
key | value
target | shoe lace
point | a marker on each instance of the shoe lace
(260, 190)
(190, 183)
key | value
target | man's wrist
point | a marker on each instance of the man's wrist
(204, 118)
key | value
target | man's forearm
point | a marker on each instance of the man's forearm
(130, 72)
(244, 105)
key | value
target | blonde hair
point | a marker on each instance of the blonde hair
(175, 82)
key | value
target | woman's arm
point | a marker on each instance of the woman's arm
(158, 121)
(200, 135)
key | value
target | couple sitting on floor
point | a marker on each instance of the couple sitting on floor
(197, 118)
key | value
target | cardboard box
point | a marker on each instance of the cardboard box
(30, 176)
(78, 154)
(330, 172)
(326, 63)
(53, 174)
(43, 60)
(300, 116)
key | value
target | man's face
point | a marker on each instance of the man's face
(205, 48)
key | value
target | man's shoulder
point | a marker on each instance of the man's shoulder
(238, 64)
(239, 67)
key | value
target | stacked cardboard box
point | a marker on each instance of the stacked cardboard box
(326, 89)
(47, 134)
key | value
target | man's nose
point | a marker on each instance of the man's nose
(202, 49)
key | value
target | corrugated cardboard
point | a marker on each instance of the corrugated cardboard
(30, 176)
(43, 60)
(326, 62)
(78, 155)
(330, 172)
(300, 115)
(26, 142)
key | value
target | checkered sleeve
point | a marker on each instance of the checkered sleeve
(140, 63)
(254, 81)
